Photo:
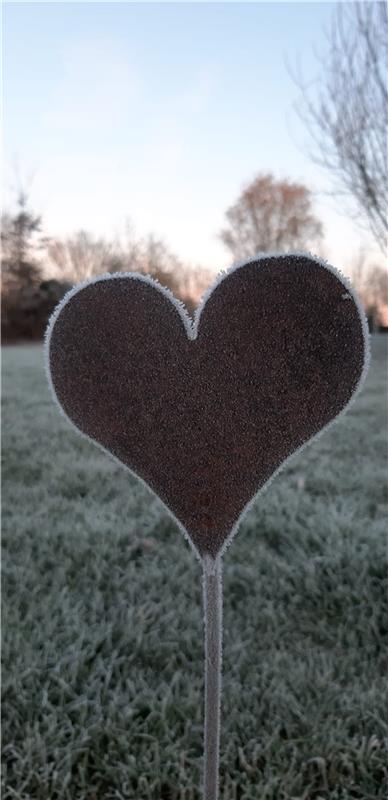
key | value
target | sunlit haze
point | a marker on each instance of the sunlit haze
(161, 113)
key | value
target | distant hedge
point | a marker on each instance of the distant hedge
(25, 311)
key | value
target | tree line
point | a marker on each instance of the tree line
(37, 269)
(268, 216)
(347, 121)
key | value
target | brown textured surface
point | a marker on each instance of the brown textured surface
(206, 422)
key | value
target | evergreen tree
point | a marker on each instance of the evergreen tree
(18, 242)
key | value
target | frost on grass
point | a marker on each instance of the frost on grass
(102, 619)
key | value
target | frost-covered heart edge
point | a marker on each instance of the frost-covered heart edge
(191, 326)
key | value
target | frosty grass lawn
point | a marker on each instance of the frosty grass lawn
(102, 619)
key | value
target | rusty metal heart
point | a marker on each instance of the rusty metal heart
(207, 411)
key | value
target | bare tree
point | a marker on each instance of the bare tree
(347, 113)
(371, 282)
(271, 215)
(155, 259)
(196, 280)
(376, 286)
(81, 256)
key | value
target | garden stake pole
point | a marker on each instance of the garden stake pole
(212, 600)
(279, 343)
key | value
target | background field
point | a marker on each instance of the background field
(102, 619)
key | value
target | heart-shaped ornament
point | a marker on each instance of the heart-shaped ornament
(205, 412)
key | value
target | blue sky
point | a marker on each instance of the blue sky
(160, 113)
